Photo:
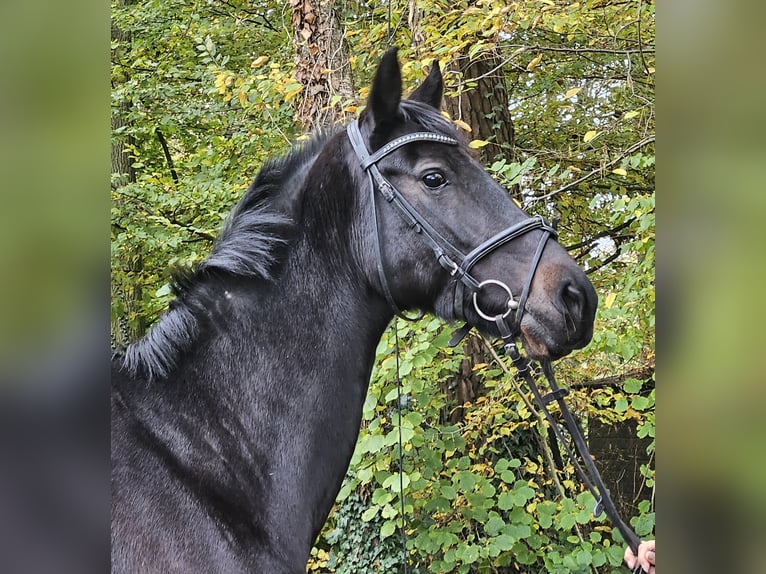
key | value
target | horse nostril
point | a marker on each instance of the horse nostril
(573, 299)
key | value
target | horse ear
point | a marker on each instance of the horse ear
(386, 92)
(430, 91)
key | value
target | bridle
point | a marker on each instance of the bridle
(459, 266)
(451, 258)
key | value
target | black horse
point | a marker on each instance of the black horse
(234, 419)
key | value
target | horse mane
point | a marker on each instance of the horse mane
(247, 246)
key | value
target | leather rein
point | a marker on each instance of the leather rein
(459, 266)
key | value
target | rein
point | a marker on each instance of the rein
(590, 474)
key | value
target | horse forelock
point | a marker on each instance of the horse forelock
(430, 119)
(247, 246)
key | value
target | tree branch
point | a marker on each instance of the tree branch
(605, 262)
(537, 48)
(640, 46)
(634, 148)
(642, 374)
(605, 233)
(169, 219)
(166, 151)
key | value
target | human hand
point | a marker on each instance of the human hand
(645, 557)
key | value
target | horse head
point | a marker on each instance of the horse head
(446, 238)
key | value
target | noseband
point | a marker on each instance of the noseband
(457, 263)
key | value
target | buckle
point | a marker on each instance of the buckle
(555, 395)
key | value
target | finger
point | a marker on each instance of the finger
(630, 558)
(650, 556)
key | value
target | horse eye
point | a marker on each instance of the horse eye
(434, 179)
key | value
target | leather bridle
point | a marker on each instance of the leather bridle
(458, 264)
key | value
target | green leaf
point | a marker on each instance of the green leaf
(494, 525)
(469, 554)
(373, 443)
(640, 403)
(632, 386)
(448, 491)
(504, 542)
(388, 528)
(381, 496)
(506, 500)
(370, 513)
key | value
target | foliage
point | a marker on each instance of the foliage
(181, 75)
(215, 81)
(478, 496)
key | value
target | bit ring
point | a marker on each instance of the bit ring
(512, 304)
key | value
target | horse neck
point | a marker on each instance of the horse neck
(289, 371)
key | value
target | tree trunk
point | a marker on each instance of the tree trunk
(485, 107)
(123, 331)
(619, 454)
(122, 165)
(321, 64)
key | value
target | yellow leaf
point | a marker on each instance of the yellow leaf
(292, 92)
(590, 135)
(475, 144)
(534, 62)
(463, 126)
(259, 61)
(650, 69)
(574, 169)
(619, 171)
(609, 301)
(571, 92)
(242, 95)
(631, 114)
